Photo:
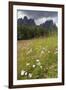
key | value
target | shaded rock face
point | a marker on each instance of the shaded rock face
(48, 23)
(19, 21)
(26, 21)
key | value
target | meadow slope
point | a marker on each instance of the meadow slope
(37, 58)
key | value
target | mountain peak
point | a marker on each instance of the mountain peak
(25, 18)
(26, 21)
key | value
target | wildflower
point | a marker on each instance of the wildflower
(30, 75)
(26, 73)
(47, 68)
(28, 64)
(42, 52)
(41, 67)
(37, 60)
(44, 48)
(30, 50)
(48, 51)
(34, 66)
(22, 72)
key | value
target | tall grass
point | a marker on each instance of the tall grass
(37, 58)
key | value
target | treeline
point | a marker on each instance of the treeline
(34, 31)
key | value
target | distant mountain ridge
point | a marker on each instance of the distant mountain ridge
(49, 24)
(26, 21)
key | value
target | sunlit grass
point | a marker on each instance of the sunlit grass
(37, 58)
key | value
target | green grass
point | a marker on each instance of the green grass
(37, 58)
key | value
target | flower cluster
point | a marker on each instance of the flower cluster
(37, 62)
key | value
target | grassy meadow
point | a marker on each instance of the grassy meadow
(37, 58)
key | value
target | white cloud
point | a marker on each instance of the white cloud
(21, 14)
(42, 20)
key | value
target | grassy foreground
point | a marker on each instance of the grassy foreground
(37, 58)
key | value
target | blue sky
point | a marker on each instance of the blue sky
(38, 16)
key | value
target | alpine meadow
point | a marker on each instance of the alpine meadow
(37, 45)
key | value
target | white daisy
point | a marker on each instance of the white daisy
(25, 73)
(37, 60)
(48, 51)
(30, 75)
(28, 64)
(22, 72)
(34, 66)
(42, 52)
(44, 48)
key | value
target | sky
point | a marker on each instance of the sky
(38, 16)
